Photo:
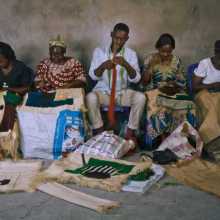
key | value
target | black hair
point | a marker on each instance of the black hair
(217, 46)
(121, 27)
(165, 39)
(7, 51)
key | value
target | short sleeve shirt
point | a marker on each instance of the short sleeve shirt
(20, 75)
(207, 71)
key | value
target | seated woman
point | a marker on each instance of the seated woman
(15, 80)
(59, 71)
(206, 83)
(163, 77)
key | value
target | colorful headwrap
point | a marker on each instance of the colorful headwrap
(58, 41)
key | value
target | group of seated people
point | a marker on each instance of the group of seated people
(115, 68)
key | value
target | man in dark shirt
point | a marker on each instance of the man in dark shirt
(19, 76)
(15, 79)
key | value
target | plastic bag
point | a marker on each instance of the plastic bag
(184, 142)
(107, 145)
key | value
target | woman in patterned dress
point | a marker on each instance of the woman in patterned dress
(163, 77)
(59, 71)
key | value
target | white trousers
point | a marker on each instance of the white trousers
(130, 98)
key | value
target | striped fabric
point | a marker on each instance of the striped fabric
(101, 169)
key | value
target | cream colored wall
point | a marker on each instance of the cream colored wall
(28, 24)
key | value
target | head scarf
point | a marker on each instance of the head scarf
(58, 42)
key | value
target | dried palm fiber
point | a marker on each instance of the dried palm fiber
(79, 198)
(197, 173)
(174, 103)
(111, 112)
(77, 94)
(9, 143)
(19, 175)
(208, 105)
(9, 140)
(157, 101)
(152, 106)
(56, 172)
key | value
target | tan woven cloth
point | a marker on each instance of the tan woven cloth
(198, 174)
(56, 173)
(208, 105)
(78, 198)
(19, 175)
(75, 93)
(9, 143)
(152, 106)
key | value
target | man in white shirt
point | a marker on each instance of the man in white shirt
(127, 70)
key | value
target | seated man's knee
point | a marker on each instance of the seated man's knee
(92, 99)
(140, 98)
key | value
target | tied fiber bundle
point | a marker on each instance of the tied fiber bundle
(111, 112)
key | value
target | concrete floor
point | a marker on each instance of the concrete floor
(166, 200)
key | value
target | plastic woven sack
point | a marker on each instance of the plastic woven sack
(69, 132)
(107, 145)
(43, 130)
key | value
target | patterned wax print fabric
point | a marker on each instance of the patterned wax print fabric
(162, 73)
(164, 114)
(166, 119)
(59, 75)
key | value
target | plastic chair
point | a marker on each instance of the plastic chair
(122, 115)
(118, 108)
